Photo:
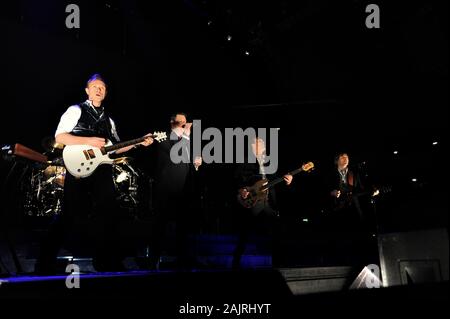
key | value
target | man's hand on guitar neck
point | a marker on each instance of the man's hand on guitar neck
(288, 179)
(147, 142)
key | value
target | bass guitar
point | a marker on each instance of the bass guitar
(259, 191)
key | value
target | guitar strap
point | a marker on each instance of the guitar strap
(112, 137)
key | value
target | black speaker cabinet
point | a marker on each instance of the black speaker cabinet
(414, 257)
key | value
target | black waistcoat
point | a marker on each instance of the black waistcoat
(91, 123)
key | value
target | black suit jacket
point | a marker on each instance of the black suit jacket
(354, 182)
(173, 177)
(354, 186)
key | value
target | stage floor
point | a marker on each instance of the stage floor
(249, 293)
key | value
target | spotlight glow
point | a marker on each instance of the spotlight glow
(414, 180)
(395, 152)
(435, 143)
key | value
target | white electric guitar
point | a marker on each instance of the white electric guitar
(82, 160)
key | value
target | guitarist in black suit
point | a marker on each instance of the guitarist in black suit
(174, 189)
(265, 211)
(349, 211)
(346, 185)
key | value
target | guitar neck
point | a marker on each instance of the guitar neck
(280, 179)
(124, 144)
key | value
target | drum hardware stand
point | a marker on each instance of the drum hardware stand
(132, 170)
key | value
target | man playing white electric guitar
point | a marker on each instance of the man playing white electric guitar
(88, 126)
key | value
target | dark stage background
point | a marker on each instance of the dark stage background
(311, 68)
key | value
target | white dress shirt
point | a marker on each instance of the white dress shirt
(70, 119)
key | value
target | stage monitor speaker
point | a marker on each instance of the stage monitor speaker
(414, 257)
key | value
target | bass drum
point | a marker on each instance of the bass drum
(44, 192)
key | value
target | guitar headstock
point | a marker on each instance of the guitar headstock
(159, 136)
(308, 167)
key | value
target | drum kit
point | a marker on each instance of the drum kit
(45, 190)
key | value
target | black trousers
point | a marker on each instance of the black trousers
(172, 206)
(94, 196)
(265, 218)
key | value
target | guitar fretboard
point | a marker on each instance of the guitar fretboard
(124, 144)
(280, 179)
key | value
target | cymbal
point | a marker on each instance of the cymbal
(123, 160)
(54, 170)
(49, 144)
